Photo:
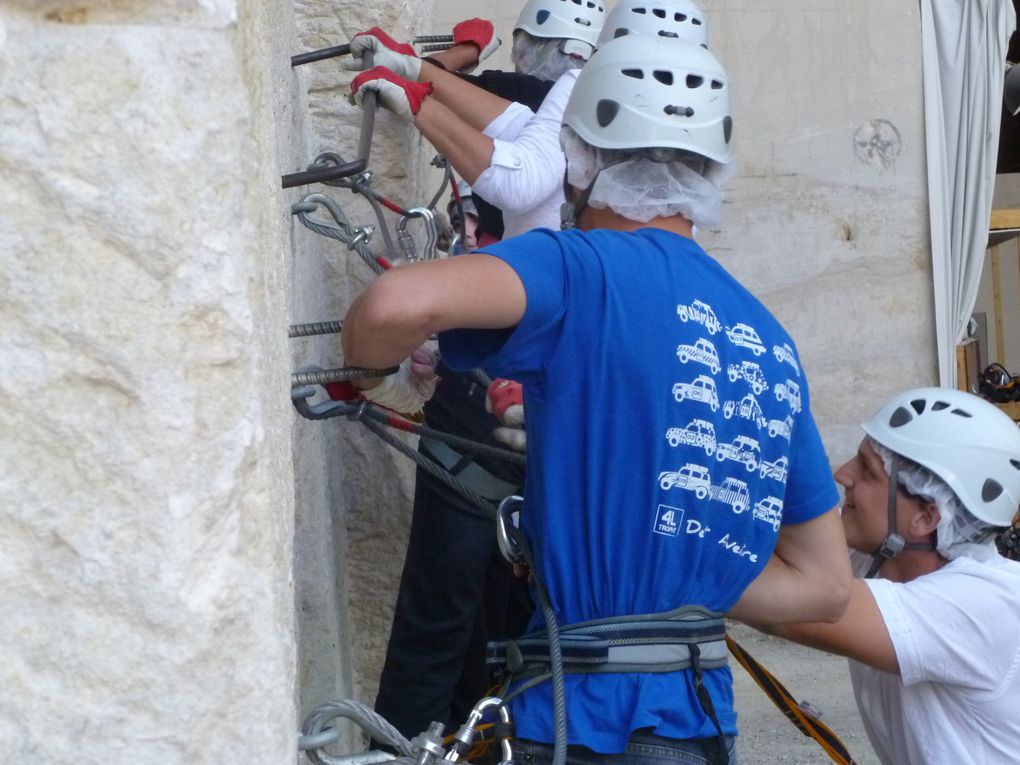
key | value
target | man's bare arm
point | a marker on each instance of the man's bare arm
(807, 578)
(476, 106)
(403, 307)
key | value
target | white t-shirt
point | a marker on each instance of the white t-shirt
(956, 633)
(525, 177)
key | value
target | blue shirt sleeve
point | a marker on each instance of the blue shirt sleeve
(518, 353)
(810, 489)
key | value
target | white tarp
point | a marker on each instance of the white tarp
(964, 56)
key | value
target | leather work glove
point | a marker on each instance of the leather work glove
(413, 384)
(399, 58)
(504, 400)
(396, 94)
(477, 32)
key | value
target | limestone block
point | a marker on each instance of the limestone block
(145, 493)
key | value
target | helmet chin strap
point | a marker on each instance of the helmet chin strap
(894, 543)
(571, 211)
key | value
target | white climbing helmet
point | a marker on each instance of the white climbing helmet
(572, 20)
(680, 19)
(642, 92)
(967, 442)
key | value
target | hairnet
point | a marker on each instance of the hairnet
(959, 533)
(541, 57)
(643, 184)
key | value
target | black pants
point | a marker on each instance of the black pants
(456, 593)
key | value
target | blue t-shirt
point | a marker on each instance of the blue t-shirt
(669, 436)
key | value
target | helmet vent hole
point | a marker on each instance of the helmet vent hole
(659, 13)
(621, 32)
(694, 81)
(696, 22)
(727, 128)
(605, 111)
(541, 17)
(918, 404)
(642, 11)
(582, 22)
(716, 85)
(1015, 463)
(667, 33)
(962, 413)
(991, 490)
(591, 5)
(900, 418)
(637, 74)
(938, 406)
(679, 17)
(578, 2)
(666, 78)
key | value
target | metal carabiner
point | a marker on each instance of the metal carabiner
(509, 537)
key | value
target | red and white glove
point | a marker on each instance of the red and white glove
(410, 387)
(504, 400)
(386, 52)
(477, 32)
(402, 97)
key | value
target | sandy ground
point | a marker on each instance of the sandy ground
(821, 679)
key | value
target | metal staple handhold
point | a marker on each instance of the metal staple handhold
(325, 737)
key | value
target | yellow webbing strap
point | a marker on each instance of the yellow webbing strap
(787, 704)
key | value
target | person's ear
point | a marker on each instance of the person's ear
(926, 520)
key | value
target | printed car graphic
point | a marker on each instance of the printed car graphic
(702, 352)
(749, 372)
(741, 449)
(746, 337)
(775, 469)
(700, 312)
(785, 353)
(781, 427)
(696, 433)
(747, 408)
(701, 388)
(732, 492)
(690, 477)
(769, 510)
(789, 391)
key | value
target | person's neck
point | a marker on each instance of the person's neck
(593, 217)
(912, 564)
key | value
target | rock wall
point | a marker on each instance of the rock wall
(146, 480)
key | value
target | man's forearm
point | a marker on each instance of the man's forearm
(476, 106)
(468, 150)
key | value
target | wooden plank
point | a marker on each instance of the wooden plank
(1012, 409)
(1005, 219)
(1000, 332)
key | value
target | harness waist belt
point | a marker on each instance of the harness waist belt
(653, 643)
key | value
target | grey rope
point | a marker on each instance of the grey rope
(365, 717)
(340, 230)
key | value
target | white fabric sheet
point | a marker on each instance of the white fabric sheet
(964, 55)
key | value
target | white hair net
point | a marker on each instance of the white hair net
(641, 184)
(959, 533)
(541, 57)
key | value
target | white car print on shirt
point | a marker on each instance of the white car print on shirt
(691, 477)
(747, 408)
(789, 391)
(745, 336)
(781, 427)
(702, 352)
(700, 312)
(696, 433)
(741, 449)
(769, 510)
(701, 388)
(732, 492)
(776, 470)
(784, 353)
(749, 372)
